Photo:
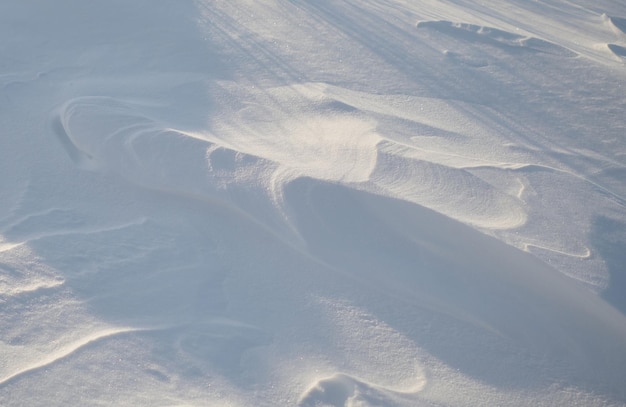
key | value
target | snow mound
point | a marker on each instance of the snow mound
(617, 23)
(343, 390)
(323, 203)
(618, 50)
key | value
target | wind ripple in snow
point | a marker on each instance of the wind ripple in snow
(451, 191)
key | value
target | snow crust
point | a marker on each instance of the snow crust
(328, 203)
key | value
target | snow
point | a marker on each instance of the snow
(291, 203)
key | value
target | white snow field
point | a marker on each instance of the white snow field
(313, 203)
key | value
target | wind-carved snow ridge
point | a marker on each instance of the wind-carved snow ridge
(618, 50)
(428, 151)
(341, 136)
(64, 352)
(243, 163)
(261, 141)
(618, 24)
(117, 136)
(312, 203)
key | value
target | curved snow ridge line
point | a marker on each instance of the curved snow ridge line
(536, 249)
(103, 335)
(68, 350)
(467, 32)
(450, 191)
(512, 166)
(112, 135)
(618, 50)
(8, 246)
(30, 289)
(57, 226)
(618, 198)
(342, 390)
(116, 137)
(458, 161)
(586, 253)
(241, 163)
(617, 24)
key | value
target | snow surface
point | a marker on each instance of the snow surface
(313, 203)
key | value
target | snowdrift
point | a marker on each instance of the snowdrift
(309, 204)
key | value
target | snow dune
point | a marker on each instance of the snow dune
(308, 204)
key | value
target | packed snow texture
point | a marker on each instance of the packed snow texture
(313, 203)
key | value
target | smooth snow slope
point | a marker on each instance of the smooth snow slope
(312, 203)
